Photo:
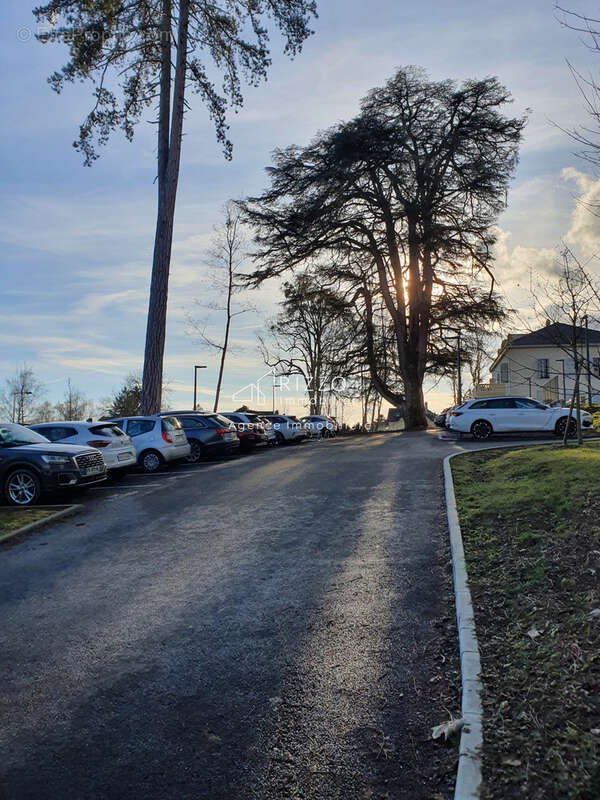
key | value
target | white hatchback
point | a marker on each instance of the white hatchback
(485, 416)
(116, 447)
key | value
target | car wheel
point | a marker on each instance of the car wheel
(481, 429)
(151, 461)
(562, 424)
(279, 437)
(22, 488)
(196, 453)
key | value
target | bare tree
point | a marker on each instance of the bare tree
(44, 412)
(73, 406)
(21, 395)
(565, 305)
(313, 337)
(589, 29)
(226, 257)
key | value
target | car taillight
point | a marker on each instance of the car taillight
(166, 438)
(98, 443)
(456, 414)
(221, 431)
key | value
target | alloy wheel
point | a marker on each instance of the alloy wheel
(195, 453)
(562, 424)
(151, 462)
(481, 429)
(22, 488)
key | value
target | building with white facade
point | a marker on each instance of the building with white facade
(541, 364)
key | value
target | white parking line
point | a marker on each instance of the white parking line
(121, 496)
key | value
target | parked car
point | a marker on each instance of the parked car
(485, 416)
(268, 427)
(250, 431)
(440, 419)
(31, 465)
(319, 426)
(116, 447)
(157, 440)
(209, 435)
(287, 428)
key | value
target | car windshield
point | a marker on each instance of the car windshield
(12, 435)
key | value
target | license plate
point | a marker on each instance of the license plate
(228, 436)
(124, 456)
(92, 471)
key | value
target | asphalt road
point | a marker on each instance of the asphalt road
(276, 626)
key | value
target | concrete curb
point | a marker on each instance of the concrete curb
(468, 776)
(61, 511)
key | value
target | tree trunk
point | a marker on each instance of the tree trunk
(415, 404)
(223, 351)
(169, 156)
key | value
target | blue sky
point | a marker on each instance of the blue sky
(76, 243)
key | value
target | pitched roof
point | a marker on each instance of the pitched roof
(558, 333)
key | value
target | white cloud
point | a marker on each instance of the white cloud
(525, 263)
(584, 230)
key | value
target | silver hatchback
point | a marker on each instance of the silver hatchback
(157, 440)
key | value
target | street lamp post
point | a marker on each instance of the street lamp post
(196, 368)
(21, 409)
(275, 386)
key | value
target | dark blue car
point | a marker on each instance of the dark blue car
(31, 465)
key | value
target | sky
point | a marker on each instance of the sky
(76, 242)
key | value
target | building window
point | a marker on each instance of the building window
(596, 366)
(504, 373)
(543, 368)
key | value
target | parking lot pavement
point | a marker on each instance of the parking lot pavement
(139, 483)
(269, 627)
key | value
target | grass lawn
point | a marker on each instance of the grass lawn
(530, 520)
(11, 520)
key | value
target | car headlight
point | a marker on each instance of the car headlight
(60, 460)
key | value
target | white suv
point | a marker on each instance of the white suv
(157, 440)
(484, 417)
